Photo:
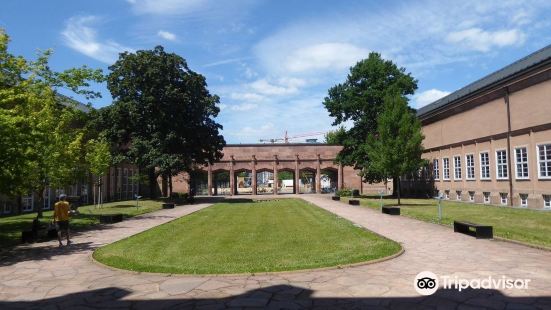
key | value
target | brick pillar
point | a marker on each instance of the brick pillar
(232, 178)
(209, 180)
(297, 176)
(318, 175)
(254, 175)
(275, 175)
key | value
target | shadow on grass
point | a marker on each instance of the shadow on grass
(288, 297)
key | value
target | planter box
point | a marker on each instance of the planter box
(391, 210)
(168, 205)
(337, 198)
(354, 202)
(110, 218)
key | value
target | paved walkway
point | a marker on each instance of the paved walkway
(44, 276)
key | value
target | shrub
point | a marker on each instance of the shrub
(344, 192)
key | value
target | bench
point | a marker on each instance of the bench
(354, 202)
(472, 229)
(391, 210)
(168, 205)
(110, 218)
(336, 198)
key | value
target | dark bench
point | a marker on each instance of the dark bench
(110, 218)
(354, 202)
(337, 198)
(168, 205)
(472, 229)
(391, 210)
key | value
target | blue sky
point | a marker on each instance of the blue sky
(272, 62)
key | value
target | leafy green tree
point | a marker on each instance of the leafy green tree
(358, 101)
(397, 147)
(163, 114)
(42, 134)
(99, 159)
(336, 137)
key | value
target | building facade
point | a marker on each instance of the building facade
(490, 142)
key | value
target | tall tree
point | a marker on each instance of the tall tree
(358, 101)
(163, 114)
(41, 138)
(397, 147)
(99, 159)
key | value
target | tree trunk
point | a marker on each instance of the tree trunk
(394, 187)
(169, 185)
(398, 189)
(19, 204)
(152, 184)
(40, 200)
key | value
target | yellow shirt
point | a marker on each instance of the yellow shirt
(61, 211)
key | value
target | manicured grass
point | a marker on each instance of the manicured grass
(529, 226)
(11, 226)
(245, 237)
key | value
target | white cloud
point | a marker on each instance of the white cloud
(167, 35)
(166, 7)
(243, 107)
(263, 87)
(247, 96)
(82, 37)
(479, 40)
(428, 96)
(333, 56)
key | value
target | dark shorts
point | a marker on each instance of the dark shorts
(62, 225)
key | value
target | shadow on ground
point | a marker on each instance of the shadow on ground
(288, 297)
(46, 252)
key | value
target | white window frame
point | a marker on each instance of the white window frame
(471, 167)
(503, 201)
(547, 160)
(458, 195)
(444, 169)
(436, 168)
(486, 165)
(455, 168)
(523, 202)
(525, 162)
(505, 164)
(25, 207)
(487, 198)
(546, 202)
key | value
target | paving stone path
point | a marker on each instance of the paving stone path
(43, 276)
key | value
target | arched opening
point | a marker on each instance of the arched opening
(286, 181)
(243, 182)
(329, 180)
(221, 182)
(264, 181)
(307, 181)
(199, 182)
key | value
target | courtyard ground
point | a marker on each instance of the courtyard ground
(43, 276)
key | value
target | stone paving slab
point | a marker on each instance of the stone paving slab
(43, 276)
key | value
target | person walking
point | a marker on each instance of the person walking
(61, 218)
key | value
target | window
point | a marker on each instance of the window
(436, 171)
(47, 196)
(458, 195)
(471, 196)
(457, 167)
(486, 197)
(501, 164)
(503, 197)
(544, 161)
(446, 194)
(547, 201)
(28, 203)
(484, 166)
(521, 159)
(523, 200)
(469, 159)
(7, 207)
(446, 168)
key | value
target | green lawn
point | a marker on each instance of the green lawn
(11, 226)
(248, 236)
(530, 226)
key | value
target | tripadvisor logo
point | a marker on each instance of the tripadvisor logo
(427, 283)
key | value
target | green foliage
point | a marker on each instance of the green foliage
(345, 192)
(285, 175)
(397, 148)
(98, 156)
(336, 137)
(359, 101)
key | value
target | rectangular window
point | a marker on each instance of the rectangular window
(471, 196)
(547, 201)
(458, 195)
(446, 168)
(469, 159)
(544, 161)
(521, 160)
(503, 197)
(457, 167)
(436, 170)
(27, 203)
(486, 197)
(523, 200)
(447, 194)
(7, 207)
(501, 165)
(484, 166)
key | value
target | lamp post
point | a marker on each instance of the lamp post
(439, 198)
(381, 193)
